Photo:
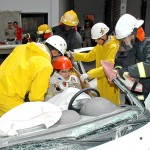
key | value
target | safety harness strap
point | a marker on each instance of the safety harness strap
(135, 84)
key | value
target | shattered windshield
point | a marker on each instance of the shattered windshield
(84, 136)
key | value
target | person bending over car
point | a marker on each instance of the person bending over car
(25, 73)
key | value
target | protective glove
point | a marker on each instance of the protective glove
(112, 76)
(84, 76)
(123, 72)
(70, 54)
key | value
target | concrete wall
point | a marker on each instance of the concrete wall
(27, 6)
(53, 15)
(30, 6)
(56, 8)
(6, 16)
(147, 20)
(95, 7)
(134, 8)
(65, 5)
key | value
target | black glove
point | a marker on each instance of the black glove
(121, 72)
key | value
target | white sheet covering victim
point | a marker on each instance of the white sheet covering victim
(27, 115)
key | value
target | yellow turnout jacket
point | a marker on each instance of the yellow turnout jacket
(106, 52)
(26, 70)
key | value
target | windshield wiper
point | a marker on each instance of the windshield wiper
(143, 121)
(76, 140)
(62, 140)
(59, 142)
(132, 126)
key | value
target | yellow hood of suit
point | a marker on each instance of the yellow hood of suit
(26, 70)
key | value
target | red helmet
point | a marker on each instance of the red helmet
(62, 62)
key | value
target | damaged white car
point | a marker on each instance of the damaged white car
(96, 124)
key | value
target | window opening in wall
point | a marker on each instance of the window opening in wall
(116, 11)
(89, 17)
(30, 22)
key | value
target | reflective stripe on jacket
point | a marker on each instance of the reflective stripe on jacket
(142, 68)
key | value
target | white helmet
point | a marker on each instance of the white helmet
(57, 42)
(126, 25)
(98, 30)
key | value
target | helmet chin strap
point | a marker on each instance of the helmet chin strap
(133, 37)
(104, 40)
(132, 42)
(49, 47)
(129, 43)
(52, 56)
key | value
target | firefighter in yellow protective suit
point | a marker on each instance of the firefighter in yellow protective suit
(25, 73)
(105, 49)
